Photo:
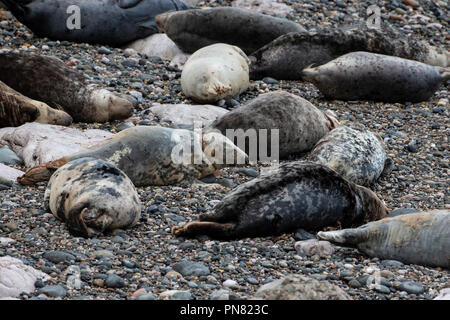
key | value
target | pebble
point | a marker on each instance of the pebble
(114, 281)
(411, 287)
(58, 256)
(101, 254)
(392, 263)
(191, 268)
(53, 291)
(175, 295)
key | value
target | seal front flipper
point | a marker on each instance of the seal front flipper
(214, 229)
(346, 237)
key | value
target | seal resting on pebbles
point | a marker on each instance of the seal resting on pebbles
(246, 29)
(300, 123)
(295, 195)
(154, 156)
(421, 238)
(215, 72)
(111, 22)
(16, 109)
(371, 76)
(92, 196)
(286, 57)
(355, 153)
(49, 80)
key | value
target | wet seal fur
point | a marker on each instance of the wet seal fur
(421, 238)
(287, 56)
(92, 196)
(49, 80)
(144, 154)
(215, 72)
(110, 22)
(370, 76)
(294, 195)
(300, 123)
(16, 109)
(246, 29)
(355, 153)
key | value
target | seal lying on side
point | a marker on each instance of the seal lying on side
(356, 154)
(296, 195)
(153, 156)
(300, 124)
(286, 57)
(92, 196)
(49, 80)
(248, 30)
(111, 22)
(215, 72)
(419, 238)
(16, 109)
(370, 76)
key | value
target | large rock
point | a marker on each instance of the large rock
(296, 287)
(39, 143)
(270, 7)
(314, 247)
(8, 157)
(9, 175)
(16, 277)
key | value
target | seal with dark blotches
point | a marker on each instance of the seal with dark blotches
(111, 22)
(153, 156)
(371, 76)
(287, 56)
(295, 195)
(92, 196)
(49, 80)
(300, 123)
(355, 153)
(16, 109)
(246, 29)
(419, 238)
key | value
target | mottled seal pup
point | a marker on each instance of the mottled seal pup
(371, 76)
(246, 29)
(49, 80)
(300, 123)
(295, 195)
(111, 22)
(286, 56)
(355, 153)
(16, 109)
(419, 238)
(215, 72)
(92, 196)
(153, 156)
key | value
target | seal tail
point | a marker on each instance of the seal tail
(41, 172)
(309, 74)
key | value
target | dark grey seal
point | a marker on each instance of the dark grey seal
(110, 22)
(295, 195)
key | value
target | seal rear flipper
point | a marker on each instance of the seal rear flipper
(41, 172)
(212, 229)
(345, 237)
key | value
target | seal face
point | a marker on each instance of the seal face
(215, 72)
(110, 22)
(370, 76)
(356, 154)
(246, 29)
(92, 196)
(295, 195)
(419, 238)
(300, 123)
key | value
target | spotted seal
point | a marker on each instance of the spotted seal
(154, 156)
(294, 195)
(419, 238)
(197, 28)
(92, 196)
(49, 80)
(354, 152)
(371, 76)
(110, 22)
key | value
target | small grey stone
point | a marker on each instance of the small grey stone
(191, 268)
(101, 254)
(411, 287)
(220, 295)
(392, 263)
(58, 256)
(251, 280)
(302, 234)
(53, 291)
(146, 296)
(176, 295)
(269, 80)
(114, 281)
(354, 284)
(381, 289)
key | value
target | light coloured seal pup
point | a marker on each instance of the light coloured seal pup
(295, 195)
(287, 56)
(111, 22)
(246, 29)
(215, 72)
(154, 156)
(300, 123)
(356, 154)
(371, 76)
(419, 238)
(92, 196)
(49, 80)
